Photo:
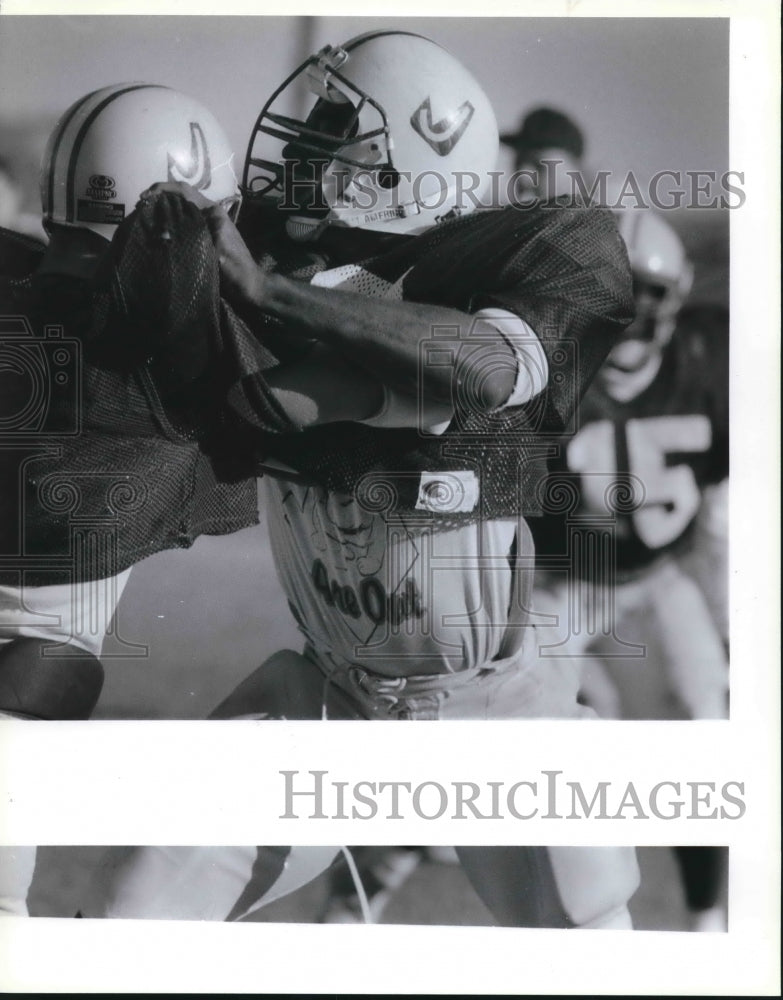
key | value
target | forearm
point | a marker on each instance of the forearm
(389, 337)
(323, 388)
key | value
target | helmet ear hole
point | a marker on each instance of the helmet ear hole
(388, 178)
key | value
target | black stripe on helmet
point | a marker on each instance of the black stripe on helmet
(69, 204)
(381, 33)
(62, 125)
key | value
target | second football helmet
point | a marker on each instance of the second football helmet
(662, 278)
(398, 136)
(112, 144)
(662, 273)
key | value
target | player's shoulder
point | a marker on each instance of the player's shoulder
(556, 248)
(701, 338)
(514, 225)
(20, 254)
(547, 239)
(704, 326)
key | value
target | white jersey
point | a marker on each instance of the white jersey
(387, 592)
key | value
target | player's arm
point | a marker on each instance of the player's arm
(382, 336)
(566, 271)
(580, 287)
(386, 336)
(156, 310)
(323, 388)
(494, 358)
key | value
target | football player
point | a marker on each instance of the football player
(647, 473)
(119, 429)
(81, 437)
(87, 441)
(116, 440)
(405, 552)
(643, 476)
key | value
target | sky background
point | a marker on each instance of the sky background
(650, 93)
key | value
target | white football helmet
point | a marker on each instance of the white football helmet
(399, 136)
(114, 143)
(662, 279)
(660, 267)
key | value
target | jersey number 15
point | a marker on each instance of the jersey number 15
(671, 494)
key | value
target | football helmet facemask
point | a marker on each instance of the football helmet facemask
(398, 137)
(114, 143)
(662, 273)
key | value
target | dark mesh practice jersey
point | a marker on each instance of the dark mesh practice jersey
(109, 449)
(643, 464)
(173, 418)
(564, 270)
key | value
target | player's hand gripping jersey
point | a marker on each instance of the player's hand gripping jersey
(561, 269)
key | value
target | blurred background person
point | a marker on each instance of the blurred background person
(644, 602)
(548, 149)
(643, 477)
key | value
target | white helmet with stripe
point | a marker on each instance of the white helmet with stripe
(400, 136)
(112, 144)
(662, 278)
(659, 264)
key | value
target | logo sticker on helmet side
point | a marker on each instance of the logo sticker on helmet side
(101, 188)
(197, 173)
(443, 135)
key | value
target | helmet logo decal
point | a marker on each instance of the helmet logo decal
(101, 188)
(443, 135)
(197, 173)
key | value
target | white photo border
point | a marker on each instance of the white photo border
(87, 956)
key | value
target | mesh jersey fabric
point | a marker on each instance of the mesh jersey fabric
(563, 268)
(175, 419)
(131, 447)
(19, 253)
